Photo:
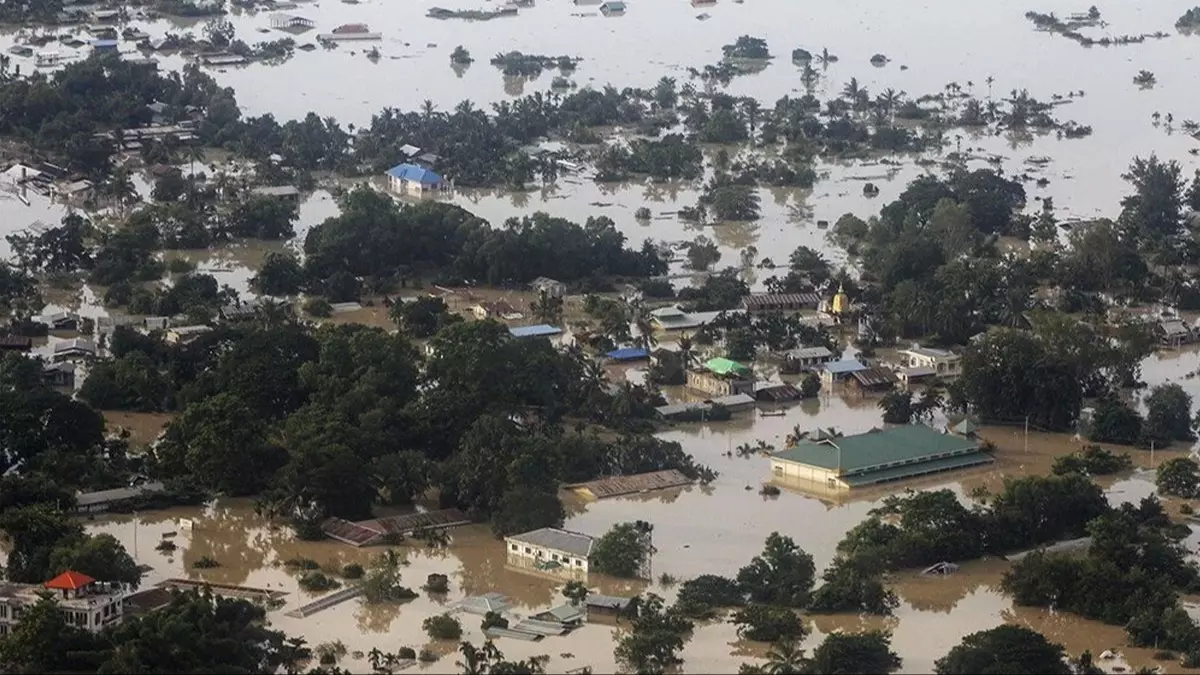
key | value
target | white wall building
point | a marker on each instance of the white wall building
(85, 603)
(946, 365)
(550, 549)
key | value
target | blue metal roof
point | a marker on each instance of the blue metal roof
(414, 173)
(845, 366)
(540, 330)
(98, 44)
(629, 354)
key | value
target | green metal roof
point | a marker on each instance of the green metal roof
(878, 449)
(723, 366)
(976, 458)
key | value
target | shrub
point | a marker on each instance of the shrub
(352, 571)
(442, 627)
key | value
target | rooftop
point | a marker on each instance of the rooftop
(810, 353)
(414, 173)
(69, 581)
(555, 539)
(629, 354)
(878, 449)
(928, 352)
(725, 367)
(539, 330)
(845, 366)
(277, 191)
(777, 300)
(117, 494)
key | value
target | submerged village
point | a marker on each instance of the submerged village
(596, 336)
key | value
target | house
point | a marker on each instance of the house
(672, 318)
(532, 332)
(756, 303)
(612, 7)
(70, 350)
(875, 457)
(838, 371)
(427, 160)
(1174, 332)
(722, 377)
(548, 287)
(406, 178)
(350, 31)
(62, 321)
(103, 500)
(59, 375)
(493, 310)
(568, 616)
(735, 402)
(291, 22)
(15, 343)
(248, 309)
(105, 15)
(289, 192)
(947, 365)
(551, 549)
(108, 46)
(85, 603)
(185, 334)
(872, 380)
(605, 605)
(807, 358)
(914, 376)
(79, 190)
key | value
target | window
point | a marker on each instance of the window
(554, 557)
(527, 550)
(97, 618)
(3, 629)
(3, 611)
(579, 563)
(514, 547)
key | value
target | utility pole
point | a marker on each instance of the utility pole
(1027, 434)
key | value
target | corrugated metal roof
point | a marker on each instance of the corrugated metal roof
(117, 494)
(629, 354)
(414, 173)
(845, 366)
(734, 400)
(809, 353)
(607, 601)
(877, 448)
(566, 541)
(915, 469)
(540, 330)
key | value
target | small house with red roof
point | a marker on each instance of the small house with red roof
(85, 603)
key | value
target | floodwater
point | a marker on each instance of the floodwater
(942, 42)
(714, 529)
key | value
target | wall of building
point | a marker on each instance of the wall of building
(528, 555)
(705, 381)
(795, 471)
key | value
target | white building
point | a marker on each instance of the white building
(946, 365)
(85, 603)
(551, 550)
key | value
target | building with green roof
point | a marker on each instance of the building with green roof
(722, 377)
(878, 456)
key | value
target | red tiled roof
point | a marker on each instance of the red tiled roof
(69, 581)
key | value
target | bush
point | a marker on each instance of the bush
(302, 563)
(699, 597)
(642, 213)
(168, 546)
(205, 563)
(763, 623)
(493, 620)
(620, 552)
(315, 580)
(437, 583)
(352, 571)
(318, 307)
(406, 653)
(769, 490)
(442, 627)
(427, 656)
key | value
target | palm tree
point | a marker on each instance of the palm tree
(989, 81)
(785, 658)
(427, 108)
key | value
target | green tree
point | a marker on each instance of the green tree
(897, 406)
(786, 658)
(575, 591)
(764, 623)
(42, 642)
(733, 202)
(280, 274)
(1114, 421)
(1155, 209)
(99, 556)
(810, 386)
(548, 309)
(1011, 375)
(702, 253)
(442, 627)
(404, 475)
(655, 639)
(621, 550)
(423, 317)
(1004, 649)
(132, 382)
(1179, 477)
(223, 444)
(34, 531)
(700, 597)
(853, 653)
(850, 587)
(782, 575)
(1168, 414)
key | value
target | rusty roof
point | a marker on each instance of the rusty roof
(616, 486)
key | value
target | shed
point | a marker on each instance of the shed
(617, 486)
(873, 379)
(735, 402)
(781, 302)
(103, 500)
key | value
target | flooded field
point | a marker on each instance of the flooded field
(943, 42)
(715, 529)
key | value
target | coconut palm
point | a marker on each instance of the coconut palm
(989, 81)
(785, 658)
(427, 108)
(889, 99)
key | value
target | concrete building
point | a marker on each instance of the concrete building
(551, 550)
(946, 365)
(721, 377)
(85, 603)
(552, 288)
(410, 178)
(878, 456)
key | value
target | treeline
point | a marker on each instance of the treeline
(380, 242)
(335, 420)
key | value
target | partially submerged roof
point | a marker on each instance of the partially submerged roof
(616, 486)
(607, 601)
(276, 191)
(801, 353)
(69, 581)
(562, 614)
(734, 400)
(575, 543)
(414, 173)
(117, 494)
(482, 604)
(877, 449)
(778, 300)
(75, 345)
(724, 366)
(928, 352)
